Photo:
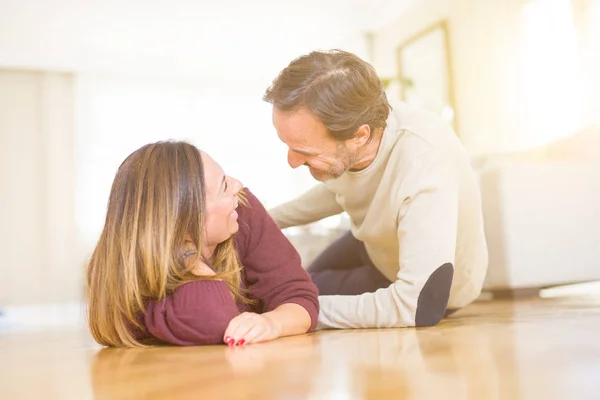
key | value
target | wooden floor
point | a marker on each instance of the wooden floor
(526, 349)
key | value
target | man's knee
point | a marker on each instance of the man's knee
(343, 253)
(325, 281)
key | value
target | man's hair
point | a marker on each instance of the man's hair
(339, 88)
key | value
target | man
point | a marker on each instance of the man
(416, 249)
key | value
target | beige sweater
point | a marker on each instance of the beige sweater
(417, 208)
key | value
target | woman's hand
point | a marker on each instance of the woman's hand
(251, 328)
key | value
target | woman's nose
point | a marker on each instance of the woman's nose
(237, 185)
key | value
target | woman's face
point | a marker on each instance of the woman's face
(221, 202)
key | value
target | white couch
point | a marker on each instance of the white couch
(542, 215)
(542, 223)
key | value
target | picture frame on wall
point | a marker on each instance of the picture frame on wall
(424, 72)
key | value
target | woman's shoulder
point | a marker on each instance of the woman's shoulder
(251, 208)
(253, 218)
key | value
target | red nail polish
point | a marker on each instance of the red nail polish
(229, 341)
(241, 342)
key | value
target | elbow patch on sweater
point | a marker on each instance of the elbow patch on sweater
(433, 299)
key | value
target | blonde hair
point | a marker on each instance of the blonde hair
(157, 198)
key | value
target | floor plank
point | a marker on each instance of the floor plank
(521, 349)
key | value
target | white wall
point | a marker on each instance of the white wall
(517, 82)
(41, 256)
(115, 116)
(589, 13)
(235, 40)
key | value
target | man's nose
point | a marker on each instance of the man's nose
(295, 160)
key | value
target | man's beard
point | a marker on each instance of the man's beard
(345, 162)
(323, 176)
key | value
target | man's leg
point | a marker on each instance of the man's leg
(344, 268)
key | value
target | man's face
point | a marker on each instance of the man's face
(309, 144)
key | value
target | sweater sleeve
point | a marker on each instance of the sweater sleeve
(272, 266)
(196, 313)
(427, 231)
(314, 205)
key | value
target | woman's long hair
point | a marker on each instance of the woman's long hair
(157, 198)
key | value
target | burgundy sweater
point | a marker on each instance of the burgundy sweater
(198, 312)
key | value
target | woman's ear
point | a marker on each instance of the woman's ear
(187, 237)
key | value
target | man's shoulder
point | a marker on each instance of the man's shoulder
(421, 134)
(423, 126)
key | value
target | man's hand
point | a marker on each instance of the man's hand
(251, 328)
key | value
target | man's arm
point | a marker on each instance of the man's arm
(427, 231)
(316, 204)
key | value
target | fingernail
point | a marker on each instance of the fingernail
(241, 342)
(229, 341)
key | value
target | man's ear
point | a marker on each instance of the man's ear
(362, 136)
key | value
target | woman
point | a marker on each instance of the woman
(188, 257)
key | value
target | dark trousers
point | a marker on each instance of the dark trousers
(345, 268)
